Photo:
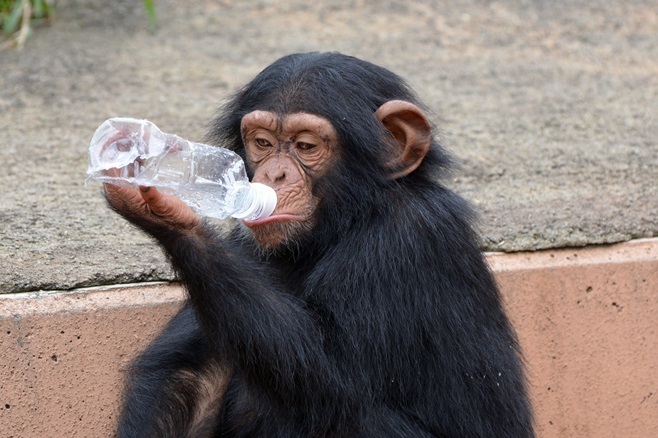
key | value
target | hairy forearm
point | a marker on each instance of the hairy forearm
(252, 324)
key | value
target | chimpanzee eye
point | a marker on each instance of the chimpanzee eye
(262, 143)
(305, 146)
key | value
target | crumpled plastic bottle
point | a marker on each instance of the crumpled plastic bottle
(212, 180)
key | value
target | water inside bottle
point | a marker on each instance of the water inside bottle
(212, 180)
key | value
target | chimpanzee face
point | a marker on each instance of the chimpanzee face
(288, 154)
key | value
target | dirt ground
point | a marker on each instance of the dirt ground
(550, 106)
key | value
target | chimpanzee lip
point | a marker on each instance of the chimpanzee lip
(282, 217)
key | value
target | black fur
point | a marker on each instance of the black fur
(383, 321)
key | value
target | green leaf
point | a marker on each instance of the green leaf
(150, 9)
(39, 8)
(12, 20)
(42, 8)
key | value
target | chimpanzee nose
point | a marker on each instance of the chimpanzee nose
(272, 173)
(277, 173)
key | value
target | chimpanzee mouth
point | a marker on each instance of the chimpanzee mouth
(283, 217)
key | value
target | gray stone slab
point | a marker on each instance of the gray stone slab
(551, 108)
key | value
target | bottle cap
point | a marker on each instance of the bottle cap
(263, 204)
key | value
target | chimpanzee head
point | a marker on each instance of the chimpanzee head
(333, 135)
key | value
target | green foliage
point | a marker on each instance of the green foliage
(12, 11)
(16, 17)
(150, 10)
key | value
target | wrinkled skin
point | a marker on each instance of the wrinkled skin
(287, 154)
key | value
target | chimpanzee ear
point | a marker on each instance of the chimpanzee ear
(411, 131)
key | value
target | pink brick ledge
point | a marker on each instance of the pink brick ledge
(587, 319)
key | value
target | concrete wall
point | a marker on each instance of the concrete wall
(586, 319)
(588, 322)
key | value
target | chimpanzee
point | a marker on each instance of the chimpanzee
(361, 308)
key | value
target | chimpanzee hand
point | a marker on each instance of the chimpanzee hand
(151, 210)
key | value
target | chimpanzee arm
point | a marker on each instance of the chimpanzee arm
(251, 325)
(250, 322)
(269, 339)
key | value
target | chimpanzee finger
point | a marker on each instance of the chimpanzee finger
(169, 208)
(123, 199)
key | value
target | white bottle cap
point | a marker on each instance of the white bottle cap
(263, 204)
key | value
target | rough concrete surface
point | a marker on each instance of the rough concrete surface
(551, 108)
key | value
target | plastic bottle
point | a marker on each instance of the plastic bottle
(212, 180)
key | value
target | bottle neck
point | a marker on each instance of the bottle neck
(260, 202)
